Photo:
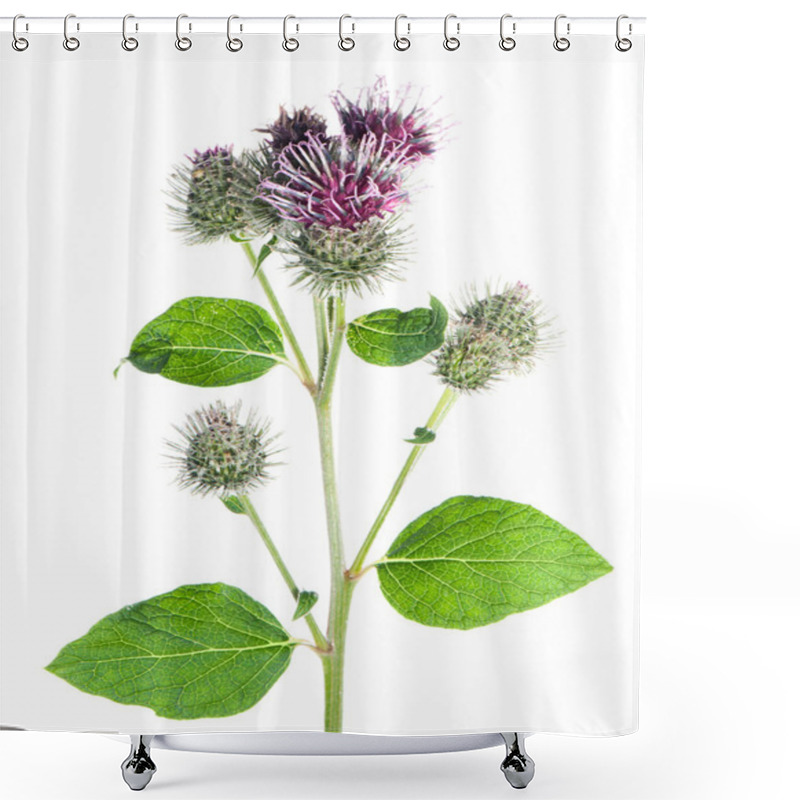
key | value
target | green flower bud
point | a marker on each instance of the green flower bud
(215, 197)
(491, 336)
(218, 454)
(337, 260)
(471, 358)
(514, 316)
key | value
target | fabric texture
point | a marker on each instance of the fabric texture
(451, 242)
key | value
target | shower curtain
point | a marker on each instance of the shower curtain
(320, 384)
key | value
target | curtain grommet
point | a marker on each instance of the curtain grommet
(129, 43)
(19, 43)
(623, 44)
(290, 43)
(401, 43)
(183, 43)
(71, 43)
(561, 43)
(451, 43)
(507, 43)
(234, 44)
(346, 43)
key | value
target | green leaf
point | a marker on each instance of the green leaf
(233, 503)
(305, 602)
(209, 341)
(239, 239)
(204, 650)
(472, 561)
(393, 338)
(265, 252)
(422, 436)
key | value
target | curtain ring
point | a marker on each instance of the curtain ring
(290, 44)
(622, 44)
(19, 43)
(506, 42)
(561, 43)
(345, 42)
(70, 42)
(233, 44)
(182, 42)
(401, 42)
(129, 43)
(451, 42)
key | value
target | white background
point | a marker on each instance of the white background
(720, 597)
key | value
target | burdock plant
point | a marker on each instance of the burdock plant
(330, 204)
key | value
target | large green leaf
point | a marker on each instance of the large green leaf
(208, 341)
(473, 560)
(204, 650)
(392, 338)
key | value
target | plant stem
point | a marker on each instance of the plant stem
(446, 402)
(305, 373)
(320, 640)
(340, 593)
(326, 381)
(322, 333)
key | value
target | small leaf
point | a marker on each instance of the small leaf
(472, 561)
(203, 650)
(233, 503)
(265, 252)
(208, 341)
(305, 602)
(239, 239)
(422, 436)
(393, 338)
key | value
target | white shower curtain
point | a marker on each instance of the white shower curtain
(494, 195)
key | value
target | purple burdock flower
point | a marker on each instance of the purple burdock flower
(291, 128)
(336, 183)
(411, 134)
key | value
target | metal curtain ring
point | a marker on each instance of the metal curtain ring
(451, 42)
(561, 43)
(290, 44)
(345, 42)
(233, 44)
(507, 42)
(129, 43)
(182, 42)
(623, 44)
(401, 42)
(70, 42)
(19, 43)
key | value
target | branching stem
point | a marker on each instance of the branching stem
(304, 372)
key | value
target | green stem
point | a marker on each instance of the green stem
(305, 373)
(340, 591)
(332, 362)
(436, 418)
(249, 508)
(322, 333)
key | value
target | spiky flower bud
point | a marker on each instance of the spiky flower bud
(337, 260)
(218, 454)
(499, 333)
(514, 316)
(214, 197)
(471, 358)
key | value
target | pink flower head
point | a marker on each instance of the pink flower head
(335, 183)
(411, 133)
